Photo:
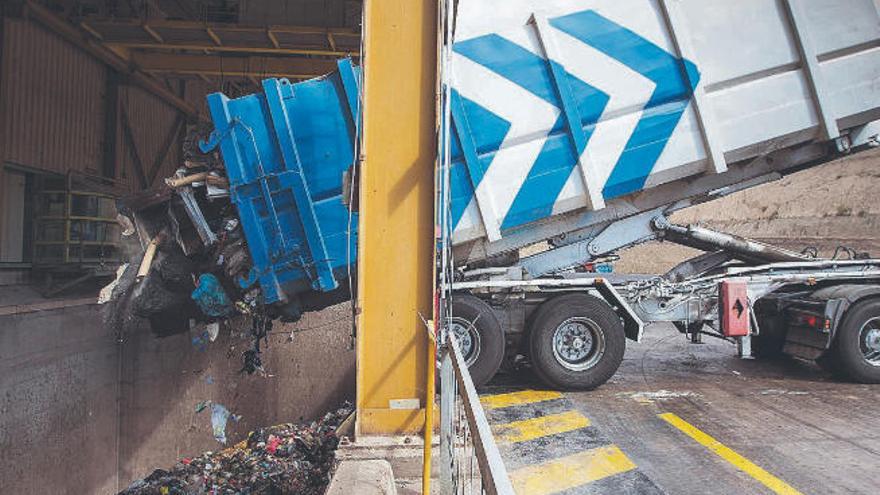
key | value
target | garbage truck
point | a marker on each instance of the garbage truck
(570, 131)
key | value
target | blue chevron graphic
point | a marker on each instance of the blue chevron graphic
(470, 161)
(558, 158)
(662, 112)
(478, 133)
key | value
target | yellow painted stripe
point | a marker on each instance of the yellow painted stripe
(570, 471)
(518, 398)
(529, 429)
(719, 449)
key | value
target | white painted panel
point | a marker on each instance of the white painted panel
(763, 109)
(479, 17)
(471, 225)
(736, 38)
(853, 82)
(836, 24)
(685, 145)
(750, 68)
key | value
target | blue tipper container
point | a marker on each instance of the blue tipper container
(285, 152)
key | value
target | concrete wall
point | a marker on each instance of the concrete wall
(62, 429)
(58, 374)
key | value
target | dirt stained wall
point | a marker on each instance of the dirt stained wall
(83, 413)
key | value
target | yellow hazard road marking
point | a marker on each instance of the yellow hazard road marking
(518, 398)
(719, 449)
(570, 471)
(529, 429)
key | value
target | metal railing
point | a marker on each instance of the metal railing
(469, 458)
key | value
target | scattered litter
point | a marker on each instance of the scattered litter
(774, 391)
(209, 380)
(737, 373)
(272, 444)
(213, 330)
(106, 293)
(650, 397)
(286, 459)
(200, 341)
(201, 406)
(211, 298)
(251, 362)
(219, 416)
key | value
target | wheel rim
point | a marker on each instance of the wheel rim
(468, 339)
(869, 341)
(578, 343)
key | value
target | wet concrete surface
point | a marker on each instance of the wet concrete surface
(788, 418)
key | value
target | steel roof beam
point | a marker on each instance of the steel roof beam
(222, 37)
(227, 27)
(257, 66)
(195, 46)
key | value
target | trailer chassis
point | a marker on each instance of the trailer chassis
(692, 297)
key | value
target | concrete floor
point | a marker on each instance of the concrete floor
(799, 425)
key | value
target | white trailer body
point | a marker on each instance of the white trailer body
(583, 124)
(570, 115)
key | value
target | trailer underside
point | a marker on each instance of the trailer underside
(766, 300)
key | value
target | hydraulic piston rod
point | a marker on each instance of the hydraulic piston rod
(740, 248)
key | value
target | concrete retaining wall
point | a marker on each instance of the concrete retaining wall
(82, 413)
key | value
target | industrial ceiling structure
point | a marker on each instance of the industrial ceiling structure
(228, 44)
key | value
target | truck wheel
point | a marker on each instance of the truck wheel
(480, 337)
(856, 350)
(576, 342)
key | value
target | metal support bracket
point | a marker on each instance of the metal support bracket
(867, 134)
(595, 199)
(675, 22)
(293, 178)
(627, 232)
(818, 87)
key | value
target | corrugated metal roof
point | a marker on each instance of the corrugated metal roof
(53, 100)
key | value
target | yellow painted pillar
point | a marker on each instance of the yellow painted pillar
(396, 219)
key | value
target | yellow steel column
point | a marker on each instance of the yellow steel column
(396, 222)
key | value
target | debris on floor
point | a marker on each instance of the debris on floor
(659, 395)
(285, 459)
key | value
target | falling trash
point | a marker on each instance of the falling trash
(213, 330)
(200, 341)
(201, 406)
(219, 417)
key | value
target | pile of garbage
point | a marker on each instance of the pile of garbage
(278, 460)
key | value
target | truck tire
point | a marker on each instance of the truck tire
(576, 342)
(855, 352)
(479, 335)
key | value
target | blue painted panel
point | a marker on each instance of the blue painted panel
(662, 112)
(285, 151)
(675, 81)
(576, 100)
